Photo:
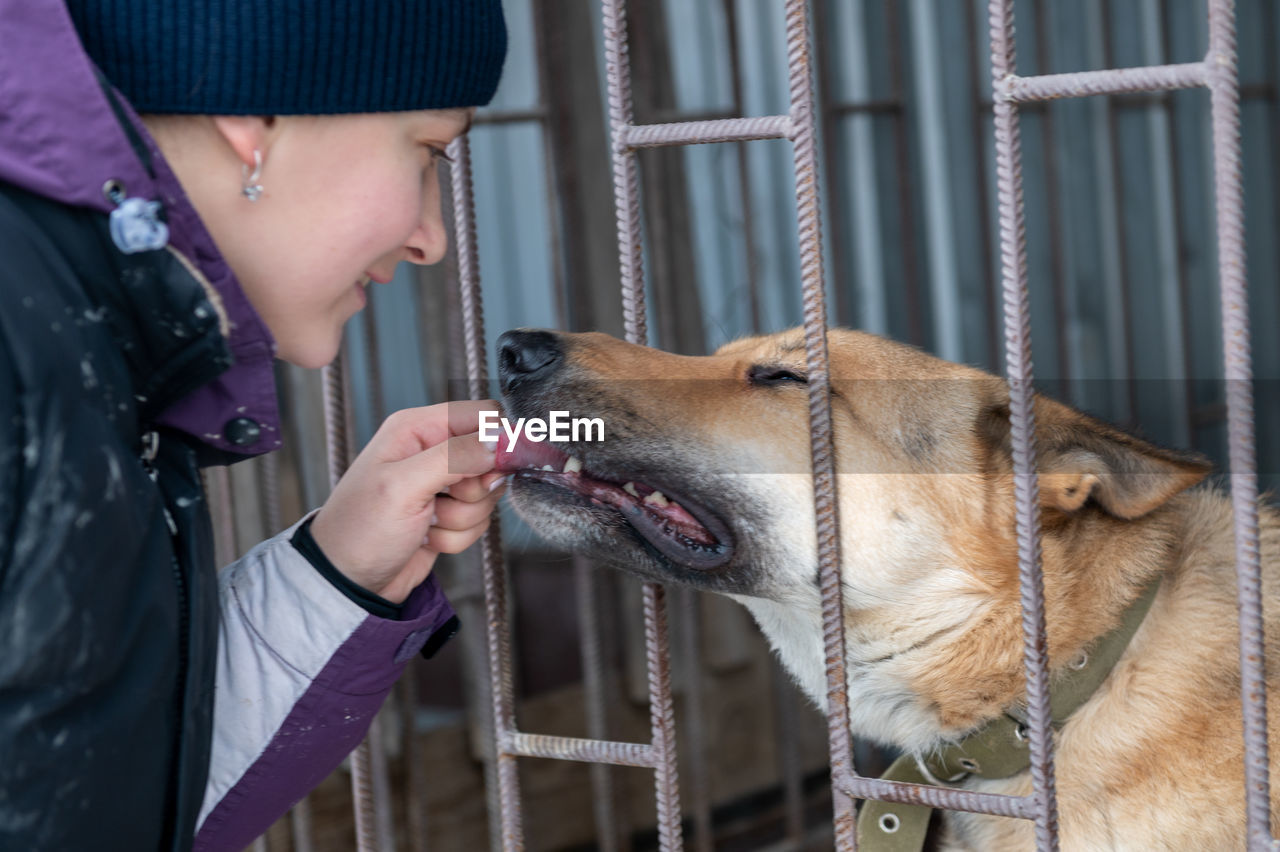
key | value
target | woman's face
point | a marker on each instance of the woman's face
(346, 198)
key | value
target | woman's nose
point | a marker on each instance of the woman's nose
(428, 242)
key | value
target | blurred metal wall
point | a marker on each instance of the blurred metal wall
(1118, 193)
(1121, 251)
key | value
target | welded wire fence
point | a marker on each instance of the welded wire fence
(1010, 95)
(1217, 72)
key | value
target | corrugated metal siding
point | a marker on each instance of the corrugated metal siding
(1118, 195)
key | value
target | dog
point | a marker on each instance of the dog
(704, 478)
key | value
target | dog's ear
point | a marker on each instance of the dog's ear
(1080, 458)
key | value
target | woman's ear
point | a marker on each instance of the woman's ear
(246, 134)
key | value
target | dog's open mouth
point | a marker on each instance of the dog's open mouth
(673, 525)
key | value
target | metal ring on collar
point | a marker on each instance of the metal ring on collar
(933, 779)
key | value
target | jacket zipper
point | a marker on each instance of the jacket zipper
(150, 449)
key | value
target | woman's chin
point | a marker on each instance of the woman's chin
(310, 355)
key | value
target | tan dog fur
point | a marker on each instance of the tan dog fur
(1154, 760)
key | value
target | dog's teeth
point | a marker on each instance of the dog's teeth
(572, 465)
(630, 488)
(657, 498)
(548, 467)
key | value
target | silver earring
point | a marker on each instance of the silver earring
(249, 182)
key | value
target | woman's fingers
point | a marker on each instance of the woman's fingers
(411, 430)
(473, 489)
(453, 514)
(441, 540)
(423, 462)
(446, 467)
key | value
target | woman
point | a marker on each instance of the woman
(152, 268)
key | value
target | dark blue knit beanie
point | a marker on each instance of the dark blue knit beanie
(290, 57)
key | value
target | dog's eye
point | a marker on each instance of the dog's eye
(763, 374)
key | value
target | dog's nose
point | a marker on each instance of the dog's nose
(526, 355)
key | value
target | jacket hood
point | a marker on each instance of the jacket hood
(61, 137)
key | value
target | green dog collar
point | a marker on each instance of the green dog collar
(999, 749)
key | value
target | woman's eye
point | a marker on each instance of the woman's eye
(438, 154)
(763, 374)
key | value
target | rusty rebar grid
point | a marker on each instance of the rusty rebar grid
(1224, 92)
(631, 252)
(501, 682)
(1017, 333)
(574, 748)
(337, 435)
(1218, 73)
(803, 136)
(703, 132)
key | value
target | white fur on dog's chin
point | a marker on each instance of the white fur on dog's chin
(893, 568)
(881, 706)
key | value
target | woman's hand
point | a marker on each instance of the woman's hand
(423, 486)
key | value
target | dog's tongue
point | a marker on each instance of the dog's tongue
(525, 454)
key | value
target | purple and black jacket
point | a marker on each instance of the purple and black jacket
(147, 699)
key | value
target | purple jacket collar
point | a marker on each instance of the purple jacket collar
(60, 139)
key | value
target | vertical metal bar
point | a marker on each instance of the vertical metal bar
(1164, 210)
(1017, 330)
(301, 822)
(948, 340)
(337, 439)
(784, 698)
(573, 277)
(694, 719)
(269, 489)
(468, 594)
(1059, 276)
(269, 486)
(809, 222)
(380, 781)
(744, 169)
(662, 718)
(495, 590)
(787, 723)
(843, 284)
(593, 683)
(380, 784)
(1220, 66)
(373, 371)
(869, 281)
(626, 178)
(630, 250)
(1111, 220)
(1180, 269)
(224, 529)
(415, 794)
(977, 97)
(902, 169)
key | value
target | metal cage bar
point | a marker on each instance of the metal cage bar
(1218, 73)
(502, 689)
(338, 441)
(799, 127)
(1017, 332)
(1224, 92)
(631, 255)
